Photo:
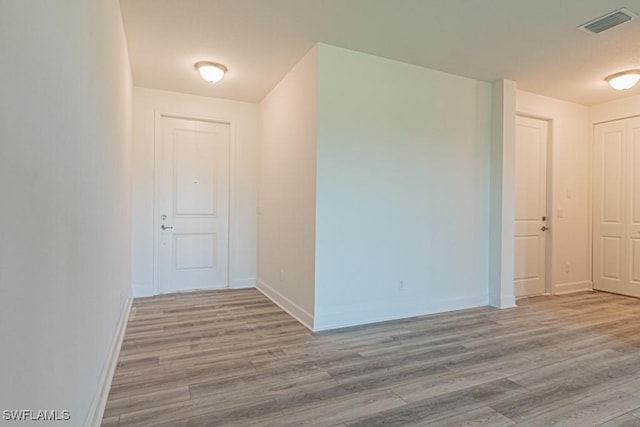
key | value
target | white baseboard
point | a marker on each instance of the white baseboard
(505, 301)
(297, 312)
(94, 418)
(567, 288)
(147, 291)
(242, 283)
(354, 315)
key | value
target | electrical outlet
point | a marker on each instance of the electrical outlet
(401, 285)
(567, 267)
(281, 276)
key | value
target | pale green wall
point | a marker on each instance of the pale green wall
(65, 182)
(286, 190)
(403, 165)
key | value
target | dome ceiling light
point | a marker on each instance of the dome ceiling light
(624, 80)
(211, 72)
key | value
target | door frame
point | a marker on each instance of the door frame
(548, 248)
(158, 115)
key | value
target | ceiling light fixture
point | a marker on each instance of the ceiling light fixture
(624, 80)
(211, 72)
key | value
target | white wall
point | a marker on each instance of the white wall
(242, 232)
(287, 168)
(65, 103)
(402, 190)
(615, 110)
(571, 204)
(502, 199)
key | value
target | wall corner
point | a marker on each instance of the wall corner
(502, 194)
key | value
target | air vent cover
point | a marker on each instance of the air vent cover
(607, 21)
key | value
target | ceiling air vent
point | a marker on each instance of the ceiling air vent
(607, 21)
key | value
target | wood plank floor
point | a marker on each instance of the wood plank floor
(233, 358)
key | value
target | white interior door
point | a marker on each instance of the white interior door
(633, 208)
(531, 206)
(609, 170)
(192, 205)
(616, 213)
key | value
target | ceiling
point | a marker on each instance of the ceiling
(533, 42)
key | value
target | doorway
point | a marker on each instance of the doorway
(616, 207)
(191, 236)
(531, 217)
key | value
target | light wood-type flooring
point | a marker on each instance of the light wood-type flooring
(233, 358)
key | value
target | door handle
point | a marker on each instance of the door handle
(164, 227)
(544, 228)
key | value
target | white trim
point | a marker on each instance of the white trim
(242, 283)
(550, 238)
(506, 301)
(502, 191)
(158, 115)
(156, 224)
(96, 411)
(231, 198)
(355, 315)
(614, 119)
(567, 288)
(297, 312)
(591, 205)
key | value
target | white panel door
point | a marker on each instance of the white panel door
(633, 208)
(531, 205)
(192, 205)
(616, 210)
(609, 216)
